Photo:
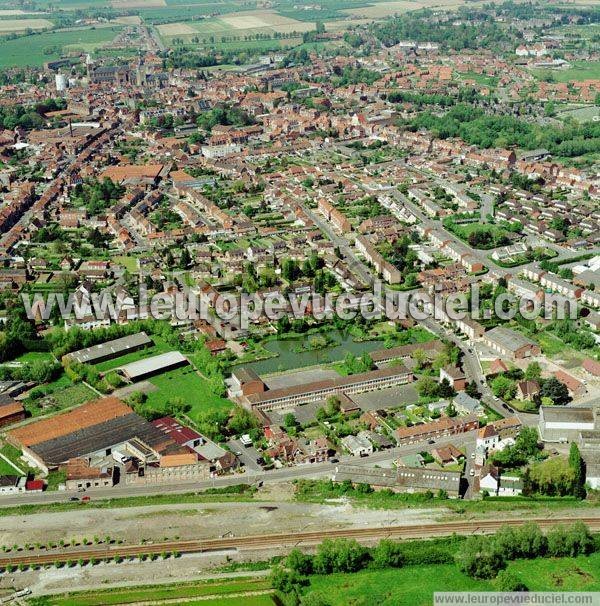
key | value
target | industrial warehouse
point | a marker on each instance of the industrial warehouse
(103, 432)
(110, 349)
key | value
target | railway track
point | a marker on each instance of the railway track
(291, 539)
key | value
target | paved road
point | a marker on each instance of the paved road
(354, 263)
(247, 455)
(471, 363)
(286, 474)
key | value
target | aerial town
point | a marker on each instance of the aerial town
(299, 303)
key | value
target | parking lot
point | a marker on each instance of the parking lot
(246, 454)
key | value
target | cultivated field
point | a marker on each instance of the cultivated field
(176, 29)
(129, 20)
(137, 3)
(13, 12)
(34, 50)
(381, 10)
(20, 25)
(235, 24)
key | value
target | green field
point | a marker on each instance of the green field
(579, 70)
(129, 263)
(481, 79)
(249, 600)
(65, 394)
(6, 469)
(36, 49)
(74, 395)
(169, 592)
(12, 454)
(34, 356)
(187, 384)
(160, 346)
(415, 585)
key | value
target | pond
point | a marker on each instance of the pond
(289, 356)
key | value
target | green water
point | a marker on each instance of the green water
(289, 357)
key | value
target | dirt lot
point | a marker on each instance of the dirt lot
(190, 521)
(81, 578)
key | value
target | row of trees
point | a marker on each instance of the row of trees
(480, 557)
(347, 556)
(483, 557)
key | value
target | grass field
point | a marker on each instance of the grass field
(187, 384)
(169, 592)
(129, 263)
(317, 491)
(7, 469)
(12, 454)
(34, 356)
(381, 10)
(74, 395)
(481, 79)
(415, 585)
(239, 25)
(579, 70)
(249, 600)
(65, 394)
(8, 26)
(35, 49)
(160, 346)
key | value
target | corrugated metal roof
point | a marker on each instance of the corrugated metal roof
(153, 364)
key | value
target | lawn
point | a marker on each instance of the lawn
(13, 455)
(415, 585)
(129, 263)
(36, 49)
(160, 346)
(6, 469)
(168, 592)
(250, 600)
(481, 79)
(579, 70)
(187, 384)
(34, 356)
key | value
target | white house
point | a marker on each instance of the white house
(358, 446)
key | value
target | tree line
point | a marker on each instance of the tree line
(479, 557)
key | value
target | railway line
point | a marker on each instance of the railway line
(285, 540)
